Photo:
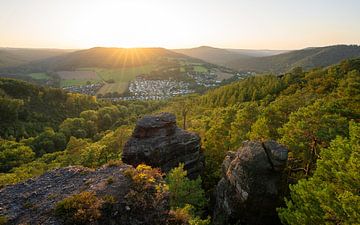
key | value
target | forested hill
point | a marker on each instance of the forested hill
(213, 55)
(10, 57)
(102, 57)
(306, 58)
(315, 114)
(294, 109)
(274, 61)
(26, 109)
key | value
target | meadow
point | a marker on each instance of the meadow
(39, 76)
(119, 87)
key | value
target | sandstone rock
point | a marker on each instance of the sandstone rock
(253, 184)
(34, 201)
(158, 142)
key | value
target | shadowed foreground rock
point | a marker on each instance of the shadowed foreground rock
(34, 201)
(158, 142)
(253, 184)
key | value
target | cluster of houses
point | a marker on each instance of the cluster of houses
(89, 89)
(205, 79)
(143, 89)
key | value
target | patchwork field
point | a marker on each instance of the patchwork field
(76, 82)
(39, 76)
(200, 69)
(78, 74)
(78, 77)
(121, 75)
(223, 76)
(119, 87)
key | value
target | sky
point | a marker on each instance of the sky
(245, 24)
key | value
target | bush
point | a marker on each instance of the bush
(83, 208)
(3, 220)
(148, 194)
(184, 191)
(185, 215)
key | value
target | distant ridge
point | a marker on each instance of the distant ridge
(10, 57)
(306, 58)
(278, 61)
(101, 57)
(212, 55)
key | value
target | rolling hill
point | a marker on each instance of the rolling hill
(276, 61)
(213, 55)
(11, 57)
(306, 58)
(221, 56)
(102, 57)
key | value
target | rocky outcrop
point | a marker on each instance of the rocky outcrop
(253, 184)
(34, 201)
(158, 142)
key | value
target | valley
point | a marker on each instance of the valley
(139, 112)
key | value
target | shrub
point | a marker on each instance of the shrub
(148, 194)
(185, 216)
(83, 208)
(184, 191)
(3, 220)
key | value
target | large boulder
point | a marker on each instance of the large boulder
(158, 142)
(253, 184)
(34, 201)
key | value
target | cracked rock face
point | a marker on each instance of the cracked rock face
(158, 142)
(253, 184)
(34, 201)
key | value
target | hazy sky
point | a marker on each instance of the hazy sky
(256, 24)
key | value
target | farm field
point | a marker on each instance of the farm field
(77, 77)
(223, 76)
(77, 82)
(83, 74)
(119, 87)
(121, 75)
(200, 69)
(39, 76)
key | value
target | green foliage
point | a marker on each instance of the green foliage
(309, 129)
(331, 196)
(260, 130)
(26, 109)
(185, 215)
(13, 154)
(47, 142)
(80, 209)
(184, 191)
(3, 220)
(147, 192)
(251, 89)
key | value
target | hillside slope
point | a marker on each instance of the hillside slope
(213, 55)
(307, 58)
(10, 57)
(103, 58)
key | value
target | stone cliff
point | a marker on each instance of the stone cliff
(158, 142)
(252, 185)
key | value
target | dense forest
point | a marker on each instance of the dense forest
(314, 113)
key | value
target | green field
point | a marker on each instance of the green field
(121, 75)
(39, 76)
(119, 87)
(77, 82)
(200, 69)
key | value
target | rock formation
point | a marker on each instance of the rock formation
(34, 201)
(158, 142)
(253, 184)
